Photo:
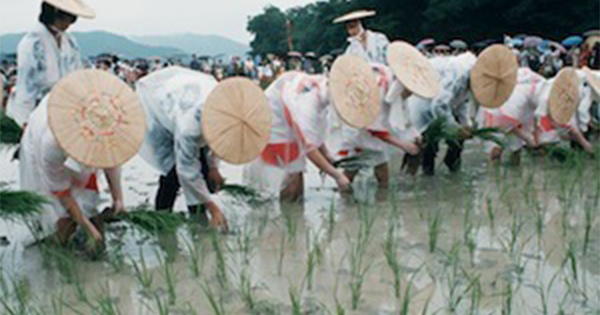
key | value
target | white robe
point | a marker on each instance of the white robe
(45, 169)
(173, 99)
(376, 51)
(41, 63)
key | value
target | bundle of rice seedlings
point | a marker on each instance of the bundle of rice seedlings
(10, 131)
(242, 192)
(440, 130)
(20, 204)
(147, 220)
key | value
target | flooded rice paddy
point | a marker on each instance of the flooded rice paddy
(497, 240)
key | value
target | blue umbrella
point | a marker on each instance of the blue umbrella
(572, 41)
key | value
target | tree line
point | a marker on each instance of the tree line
(310, 27)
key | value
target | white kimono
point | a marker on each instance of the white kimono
(368, 142)
(173, 99)
(454, 99)
(41, 63)
(45, 169)
(552, 132)
(299, 102)
(531, 91)
(376, 51)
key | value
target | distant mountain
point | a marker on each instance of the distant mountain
(95, 43)
(210, 45)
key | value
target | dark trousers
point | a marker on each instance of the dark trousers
(452, 158)
(168, 186)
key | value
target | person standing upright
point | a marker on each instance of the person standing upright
(46, 54)
(369, 45)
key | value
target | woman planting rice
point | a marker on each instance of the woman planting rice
(90, 121)
(187, 112)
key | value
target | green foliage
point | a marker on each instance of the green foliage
(10, 131)
(20, 204)
(413, 20)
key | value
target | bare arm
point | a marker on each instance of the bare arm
(113, 177)
(324, 165)
(74, 211)
(578, 136)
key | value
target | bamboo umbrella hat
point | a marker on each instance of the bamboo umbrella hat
(96, 118)
(592, 79)
(75, 7)
(236, 120)
(494, 76)
(354, 91)
(564, 96)
(413, 69)
(355, 15)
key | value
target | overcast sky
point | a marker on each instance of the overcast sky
(151, 17)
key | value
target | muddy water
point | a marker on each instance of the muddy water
(485, 241)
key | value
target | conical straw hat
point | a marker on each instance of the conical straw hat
(494, 76)
(75, 7)
(592, 80)
(236, 120)
(356, 15)
(564, 96)
(413, 69)
(354, 91)
(96, 118)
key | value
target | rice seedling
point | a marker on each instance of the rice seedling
(358, 268)
(22, 297)
(246, 291)
(196, 259)
(571, 260)
(291, 226)
(390, 248)
(105, 304)
(251, 196)
(151, 222)
(162, 308)
(476, 292)
(331, 221)
(215, 302)
(244, 246)
(490, 211)
(20, 204)
(313, 257)
(295, 300)
(433, 225)
(141, 272)
(10, 131)
(221, 271)
(281, 254)
(170, 277)
(589, 217)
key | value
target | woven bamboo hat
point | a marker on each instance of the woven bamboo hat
(564, 96)
(354, 91)
(494, 76)
(75, 7)
(592, 79)
(96, 118)
(236, 120)
(355, 15)
(413, 69)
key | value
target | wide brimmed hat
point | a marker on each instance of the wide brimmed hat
(75, 7)
(353, 16)
(413, 69)
(354, 91)
(494, 76)
(459, 44)
(564, 96)
(592, 79)
(96, 118)
(236, 120)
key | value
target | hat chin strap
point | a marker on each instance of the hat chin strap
(361, 32)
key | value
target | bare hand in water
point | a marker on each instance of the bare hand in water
(218, 220)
